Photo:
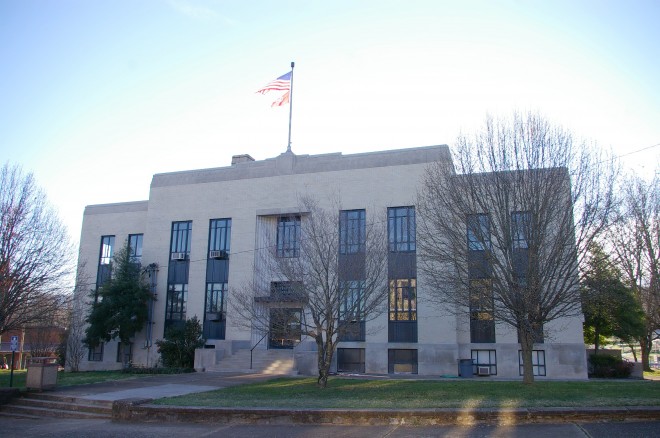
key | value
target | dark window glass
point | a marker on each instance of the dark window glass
(124, 353)
(403, 300)
(538, 362)
(95, 354)
(220, 235)
(350, 360)
(175, 305)
(402, 361)
(350, 307)
(352, 229)
(482, 324)
(105, 260)
(521, 229)
(351, 318)
(181, 233)
(484, 358)
(215, 297)
(135, 247)
(538, 335)
(285, 327)
(478, 232)
(287, 291)
(401, 229)
(288, 236)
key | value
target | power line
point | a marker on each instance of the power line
(639, 150)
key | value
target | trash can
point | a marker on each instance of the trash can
(465, 368)
(41, 373)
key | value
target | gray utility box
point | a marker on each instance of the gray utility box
(41, 373)
(465, 368)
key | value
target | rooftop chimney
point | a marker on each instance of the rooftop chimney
(244, 158)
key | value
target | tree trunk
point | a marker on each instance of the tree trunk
(634, 353)
(596, 340)
(526, 345)
(325, 350)
(645, 344)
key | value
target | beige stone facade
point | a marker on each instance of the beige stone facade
(253, 194)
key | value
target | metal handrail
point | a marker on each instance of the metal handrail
(255, 346)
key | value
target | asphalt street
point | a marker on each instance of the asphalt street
(53, 427)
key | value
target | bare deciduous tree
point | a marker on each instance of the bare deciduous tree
(43, 337)
(503, 233)
(635, 239)
(35, 255)
(336, 291)
(77, 310)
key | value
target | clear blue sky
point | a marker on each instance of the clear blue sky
(96, 96)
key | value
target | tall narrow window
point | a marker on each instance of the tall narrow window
(219, 238)
(482, 324)
(352, 231)
(135, 247)
(478, 232)
(403, 300)
(215, 300)
(175, 305)
(351, 307)
(181, 233)
(288, 236)
(351, 300)
(401, 229)
(521, 229)
(105, 260)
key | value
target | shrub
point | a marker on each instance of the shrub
(177, 350)
(606, 366)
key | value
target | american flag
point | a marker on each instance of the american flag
(283, 83)
(282, 100)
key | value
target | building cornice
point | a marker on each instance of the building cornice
(291, 164)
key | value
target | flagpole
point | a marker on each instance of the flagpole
(288, 148)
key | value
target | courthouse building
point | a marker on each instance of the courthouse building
(203, 229)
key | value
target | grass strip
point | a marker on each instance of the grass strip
(350, 393)
(66, 379)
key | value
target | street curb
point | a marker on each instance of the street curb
(138, 410)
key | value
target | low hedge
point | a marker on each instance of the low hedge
(606, 366)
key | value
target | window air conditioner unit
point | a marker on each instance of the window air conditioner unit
(178, 256)
(218, 254)
(214, 316)
(483, 371)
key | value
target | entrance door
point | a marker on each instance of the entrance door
(284, 328)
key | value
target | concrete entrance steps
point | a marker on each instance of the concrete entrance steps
(52, 405)
(275, 362)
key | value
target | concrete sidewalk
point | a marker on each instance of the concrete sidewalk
(158, 386)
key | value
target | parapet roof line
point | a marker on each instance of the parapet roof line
(291, 164)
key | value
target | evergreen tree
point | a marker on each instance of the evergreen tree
(178, 348)
(610, 308)
(120, 306)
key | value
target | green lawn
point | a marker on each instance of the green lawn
(67, 379)
(415, 394)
